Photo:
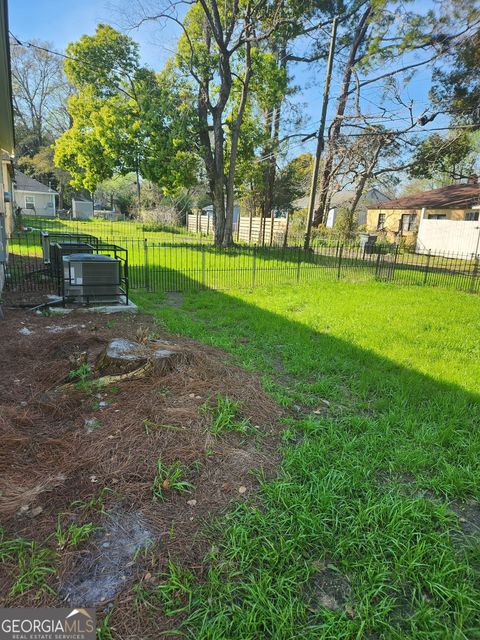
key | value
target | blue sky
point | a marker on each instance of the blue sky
(61, 21)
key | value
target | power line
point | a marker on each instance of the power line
(27, 45)
(385, 133)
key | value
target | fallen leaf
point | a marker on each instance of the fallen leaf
(166, 483)
(192, 503)
(319, 565)
(242, 489)
(350, 611)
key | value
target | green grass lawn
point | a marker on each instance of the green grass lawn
(380, 456)
(107, 230)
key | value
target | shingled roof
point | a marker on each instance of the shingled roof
(26, 183)
(455, 196)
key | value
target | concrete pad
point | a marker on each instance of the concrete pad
(131, 307)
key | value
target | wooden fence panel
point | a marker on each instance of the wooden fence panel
(250, 230)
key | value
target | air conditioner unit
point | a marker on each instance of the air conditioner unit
(91, 278)
(48, 238)
(64, 248)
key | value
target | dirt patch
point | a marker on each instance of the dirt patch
(108, 564)
(73, 456)
(468, 514)
(329, 589)
(174, 299)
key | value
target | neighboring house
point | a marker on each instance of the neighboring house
(401, 218)
(33, 197)
(343, 199)
(6, 142)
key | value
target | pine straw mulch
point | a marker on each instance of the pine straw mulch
(61, 450)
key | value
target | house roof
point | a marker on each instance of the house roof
(369, 198)
(26, 183)
(455, 196)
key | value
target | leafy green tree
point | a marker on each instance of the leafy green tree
(445, 159)
(120, 190)
(124, 117)
(457, 89)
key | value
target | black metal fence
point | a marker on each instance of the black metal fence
(180, 266)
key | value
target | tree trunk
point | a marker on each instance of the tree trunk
(235, 136)
(61, 190)
(335, 128)
(365, 176)
(273, 127)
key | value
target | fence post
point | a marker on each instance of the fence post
(145, 264)
(395, 256)
(299, 263)
(254, 265)
(474, 275)
(340, 253)
(377, 265)
(203, 265)
(426, 267)
(285, 236)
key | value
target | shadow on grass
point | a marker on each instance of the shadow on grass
(374, 452)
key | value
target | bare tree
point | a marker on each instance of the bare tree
(40, 93)
(378, 41)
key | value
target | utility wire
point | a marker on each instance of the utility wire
(369, 135)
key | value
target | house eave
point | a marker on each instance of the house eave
(43, 193)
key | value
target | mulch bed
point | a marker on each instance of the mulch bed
(62, 448)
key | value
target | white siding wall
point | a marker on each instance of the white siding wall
(448, 236)
(44, 203)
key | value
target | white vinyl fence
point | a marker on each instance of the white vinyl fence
(449, 236)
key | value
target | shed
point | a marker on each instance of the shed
(82, 209)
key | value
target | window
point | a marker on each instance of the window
(471, 216)
(381, 222)
(437, 216)
(29, 202)
(408, 222)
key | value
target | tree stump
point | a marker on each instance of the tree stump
(122, 356)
